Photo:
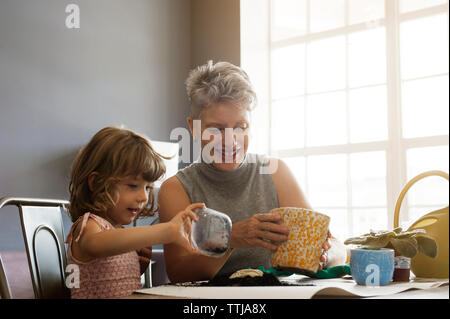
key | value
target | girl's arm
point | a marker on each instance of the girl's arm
(96, 243)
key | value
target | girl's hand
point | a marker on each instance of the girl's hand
(145, 255)
(182, 226)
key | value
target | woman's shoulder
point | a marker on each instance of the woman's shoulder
(186, 176)
(173, 188)
(171, 183)
(172, 198)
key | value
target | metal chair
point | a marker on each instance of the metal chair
(5, 290)
(43, 234)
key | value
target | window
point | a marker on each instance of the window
(357, 103)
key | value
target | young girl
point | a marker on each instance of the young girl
(111, 185)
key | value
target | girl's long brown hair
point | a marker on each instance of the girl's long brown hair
(113, 153)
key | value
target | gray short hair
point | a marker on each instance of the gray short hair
(215, 83)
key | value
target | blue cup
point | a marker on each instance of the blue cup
(372, 267)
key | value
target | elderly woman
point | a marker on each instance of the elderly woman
(228, 179)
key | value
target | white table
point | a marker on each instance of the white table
(305, 288)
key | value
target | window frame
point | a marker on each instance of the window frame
(396, 146)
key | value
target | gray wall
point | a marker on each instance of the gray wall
(215, 31)
(215, 35)
(125, 65)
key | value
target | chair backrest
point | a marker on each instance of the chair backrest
(5, 290)
(43, 233)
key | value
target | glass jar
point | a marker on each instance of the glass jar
(211, 234)
(402, 268)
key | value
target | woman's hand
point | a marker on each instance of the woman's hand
(325, 247)
(264, 230)
(334, 253)
(145, 255)
(181, 226)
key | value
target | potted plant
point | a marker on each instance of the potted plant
(406, 245)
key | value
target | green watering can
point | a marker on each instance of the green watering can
(436, 226)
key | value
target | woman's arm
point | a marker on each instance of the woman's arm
(291, 195)
(288, 190)
(181, 264)
(145, 256)
(260, 230)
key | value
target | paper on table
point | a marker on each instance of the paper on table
(308, 288)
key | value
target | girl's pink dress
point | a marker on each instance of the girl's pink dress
(109, 277)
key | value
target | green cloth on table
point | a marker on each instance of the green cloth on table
(333, 272)
(328, 273)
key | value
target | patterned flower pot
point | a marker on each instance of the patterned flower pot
(308, 231)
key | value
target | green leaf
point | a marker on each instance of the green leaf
(368, 242)
(411, 233)
(427, 246)
(356, 240)
(373, 240)
(406, 247)
(405, 243)
(377, 242)
(384, 233)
